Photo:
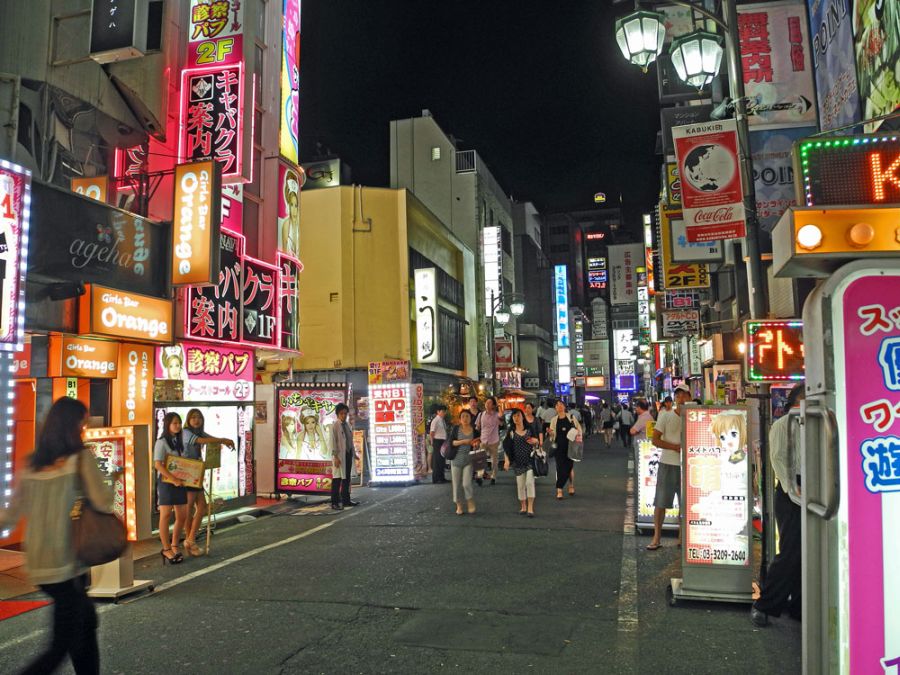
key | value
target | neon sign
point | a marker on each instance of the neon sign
(774, 351)
(562, 306)
(851, 170)
(15, 212)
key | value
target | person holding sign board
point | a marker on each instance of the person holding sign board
(170, 493)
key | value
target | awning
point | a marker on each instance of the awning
(518, 393)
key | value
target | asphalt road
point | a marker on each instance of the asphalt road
(401, 584)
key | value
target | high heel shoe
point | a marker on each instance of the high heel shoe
(192, 549)
(173, 559)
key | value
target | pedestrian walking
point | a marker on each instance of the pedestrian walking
(587, 420)
(535, 423)
(638, 430)
(565, 467)
(465, 440)
(193, 437)
(667, 437)
(522, 443)
(438, 434)
(607, 422)
(548, 415)
(783, 584)
(488, 426)
(626, 420)
(171, 495)
(60, 469)
(341, 459)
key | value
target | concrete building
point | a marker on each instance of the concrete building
(459, 188)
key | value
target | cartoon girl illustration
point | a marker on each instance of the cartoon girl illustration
(730, 429)
(311, 439)
(289, 446)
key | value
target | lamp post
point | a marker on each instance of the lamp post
(502, 315)
(697, 58)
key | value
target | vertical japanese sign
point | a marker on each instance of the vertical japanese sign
(214, 312)
(834, 64)
(876, 30)
(132, 390)
(624, 260)
(260, 308)
(306, 413)
(716, 487)
(233, 207)
(867, 396)
(492, 258)
(289, 299)
(391, 433)
(207, 372)
(562, 306)
(15, 211)
(776, 62)
(215, 33)
(195, 232)
(289, 209)
(212, 117)
(711, 192)
(427, 348)
(288, 138)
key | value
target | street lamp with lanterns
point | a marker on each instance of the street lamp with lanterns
(502, 313)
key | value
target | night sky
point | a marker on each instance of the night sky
(538, 87)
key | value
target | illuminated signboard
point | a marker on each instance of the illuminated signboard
(93, 188)
(598, 275)
(215, 32)
(288, 138)
(624, 343)
(214, 312)
(108, 312)
(132, 390)
(207, 372)
(774, 350)
(850, 170)
(260, 303)
(626, 383)
(426, 315)
(82, 357)
(717, 481)
(197, 215)
(562, 306)
(129, 164)
(289, 182)
(596, 236)
(113, 448)
(15, 213)
(391, 432)
(598, 381)
(492, 255)
(290, 302)
(212, 117)
(648, 469)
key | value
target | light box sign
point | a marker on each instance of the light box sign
(626, 383)
(15, 212)
(561, 288)
(774, 351)
(492, 257)
(212, 117)
(680, 322)
(82, 357)
(108, 312)
(208, 372)
(290, 302)
(391, 433)
(118, 30)
(288, 138)
(129, 165)
(113, 448)
(306, 413)
(385, 372)
(197, 215)
(848, 170)
(92, 188)
(132, 390)
(648, 469)
(427, 345)
(289, 183)
(678, 275)
(716, 476)
(260, 305)
(214, 312)
(215, 33)
(624, 260)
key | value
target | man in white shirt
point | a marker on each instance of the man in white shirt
(438, 434)
(667, 437)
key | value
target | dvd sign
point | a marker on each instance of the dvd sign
(711, 192)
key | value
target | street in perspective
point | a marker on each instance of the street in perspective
(476, 337)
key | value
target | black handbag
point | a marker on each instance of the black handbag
(448, 450)
(508, 444)
(97, 537)
(539, 463)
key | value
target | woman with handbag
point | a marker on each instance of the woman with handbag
(559, 432)
(60, 470)
(522, 443)
(464, 440)
(170, 493)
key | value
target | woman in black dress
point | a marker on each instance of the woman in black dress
(565, 467)
(523, 442)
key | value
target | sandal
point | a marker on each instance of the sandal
(653, 547)
(559, 494)
(192, 548)
(170, 559)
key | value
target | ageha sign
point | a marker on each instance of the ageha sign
(197, 210)
(110, 313)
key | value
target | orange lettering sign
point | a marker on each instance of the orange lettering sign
(82, 357)
(111, 313)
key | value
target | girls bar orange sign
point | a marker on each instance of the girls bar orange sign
(82, 357)
(198, 194)
(111, 313)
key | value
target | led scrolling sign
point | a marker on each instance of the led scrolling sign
(850, 170)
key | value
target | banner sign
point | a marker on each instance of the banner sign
(305, 415)
(777, 67)
(212, 117)
(289, 182)
(624, 260)
(877, 42)
(679, 323)
(391, 433)
(711, 189)
(678, 276)
(132, 390)
(716, 475)
(197, 218)
(215, 33)
(290, 302)
(774, 351)
(386, 372)
(108, 312)
(834, 62)
(15, 214)
(427, 343)
(773, 172)
(289, 129)
(207, 372)
(95, 243)
(214, 312)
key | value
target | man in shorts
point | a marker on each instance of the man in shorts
(667, 437)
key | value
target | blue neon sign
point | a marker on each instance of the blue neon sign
(562, 306)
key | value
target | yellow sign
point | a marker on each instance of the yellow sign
(119, 314)
(95, 188)
(673, 186)
(677, 276)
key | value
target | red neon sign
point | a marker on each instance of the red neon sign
(774, 351)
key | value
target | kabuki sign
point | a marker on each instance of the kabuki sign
(711, 193)
(212, 104)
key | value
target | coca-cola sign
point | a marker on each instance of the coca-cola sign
(711, 193)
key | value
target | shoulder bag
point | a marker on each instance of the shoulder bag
(448, 450)
(576, 445)
(97, 537)
(539, 462)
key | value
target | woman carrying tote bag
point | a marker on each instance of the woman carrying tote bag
(559, 430)
(61, 470)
